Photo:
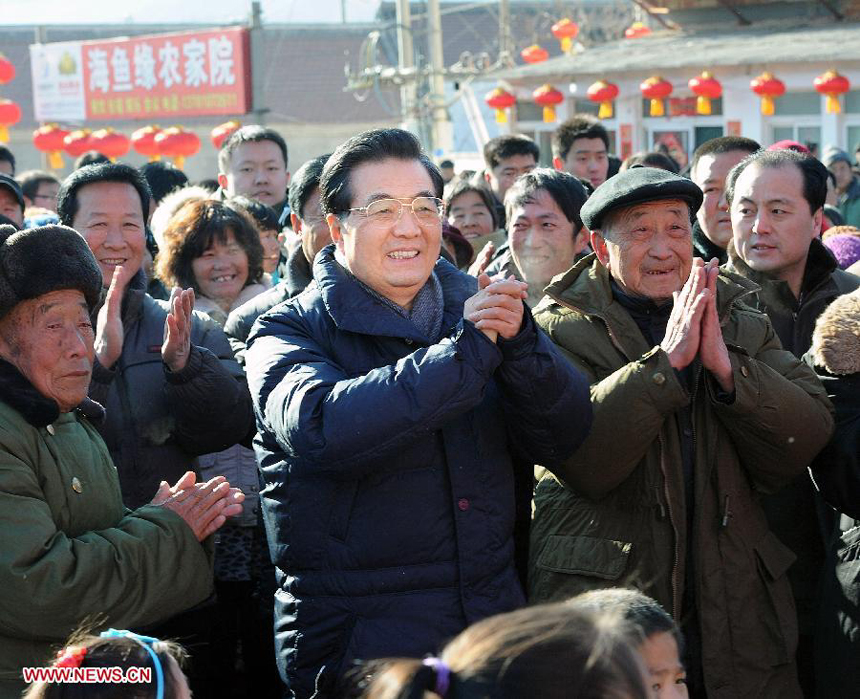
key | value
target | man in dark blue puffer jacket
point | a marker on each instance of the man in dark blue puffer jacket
(393, 399)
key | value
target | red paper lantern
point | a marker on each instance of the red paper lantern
(78, 142)
(500, 100)
(547, 97)
(177, 143)
(7, 70)
(10, 113)
(604, 93)
(767, 87)
(832, 84)
(110, 143)
(49, 139)
(534, 54)
(706, 88)
(143, 142)
(656, 89)
(565, 31)
(222, 132)
(636, 31)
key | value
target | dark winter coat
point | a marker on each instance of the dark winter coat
(158, 421)
(706, 248)
(387, 461)
(793, 513)
(615, 513)
(835, 354)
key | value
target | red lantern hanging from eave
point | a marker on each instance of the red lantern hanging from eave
(223, 131)
(78, 142)
(565, 30)
(656, 89)
(177, 143)
(500, 100)
(768, 88)
(534, 54)
(10, 113)
(547, 97)
(832, 84)
(143, 142)
(49, 139)
(706, 88)
(7, 70)
(604, 93)
(110, 143)
(636, 31)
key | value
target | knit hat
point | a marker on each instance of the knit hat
(37, 261)
(788, 144)
(832, 154)
(845, 248)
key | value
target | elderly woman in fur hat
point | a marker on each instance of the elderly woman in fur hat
(835, 355)
(69, 551)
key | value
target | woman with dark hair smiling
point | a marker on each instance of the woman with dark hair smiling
(216, 250)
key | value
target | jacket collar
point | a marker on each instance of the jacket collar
(704, 247)
(18, 393)
(820, 265)
(297, 272)
(586, 287)
(353, 309)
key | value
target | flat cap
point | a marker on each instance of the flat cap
(10, 184)
(638, 185)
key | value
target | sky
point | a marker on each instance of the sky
(154, 11)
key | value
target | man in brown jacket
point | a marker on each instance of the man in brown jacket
(697, 409)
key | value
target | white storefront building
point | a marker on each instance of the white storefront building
(734, 58)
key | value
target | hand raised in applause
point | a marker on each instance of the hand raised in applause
(203, 506)
(497, 308)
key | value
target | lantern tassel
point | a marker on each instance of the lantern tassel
(179, 161)
(154, 158)
(605, 111)
(548, 114)
(767, 106)
(657, 108)
(55, 160)
(566, 44)
(4, 133)
(832, 106)
(501, 116)
(703, 105)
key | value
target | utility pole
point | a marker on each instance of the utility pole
(443, 129)
(504, 28)
(258, 64)
(406, 64)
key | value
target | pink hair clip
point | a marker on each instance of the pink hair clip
(70, 657)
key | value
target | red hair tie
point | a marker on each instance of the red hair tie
(70, 657)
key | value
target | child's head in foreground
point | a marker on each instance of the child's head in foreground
(657, 637)
(118, 649)
(550, 651)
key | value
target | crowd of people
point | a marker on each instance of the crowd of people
(385, 429)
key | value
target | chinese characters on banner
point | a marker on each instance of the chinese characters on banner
(147, 77)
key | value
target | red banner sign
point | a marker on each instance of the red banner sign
(160, 76)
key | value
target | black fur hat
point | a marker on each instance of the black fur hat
(37, 261)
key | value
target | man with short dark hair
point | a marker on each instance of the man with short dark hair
(847, 184)
(253, 162)
(11, 200)
(446, 168)
(776, 200)
(307, 223)
(580, 146)
(711, 163)
(389, 398)
(163, 178)
(39, 189)
(545, 232)
(7, 161)
(697, 410)
(506, 158)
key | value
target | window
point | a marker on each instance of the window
(797, 103)
(801, 134)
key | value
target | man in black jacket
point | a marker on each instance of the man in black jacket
(711, 162)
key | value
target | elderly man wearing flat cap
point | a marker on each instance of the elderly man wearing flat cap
(697, 409)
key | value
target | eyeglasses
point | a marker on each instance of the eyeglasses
(427, 210)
